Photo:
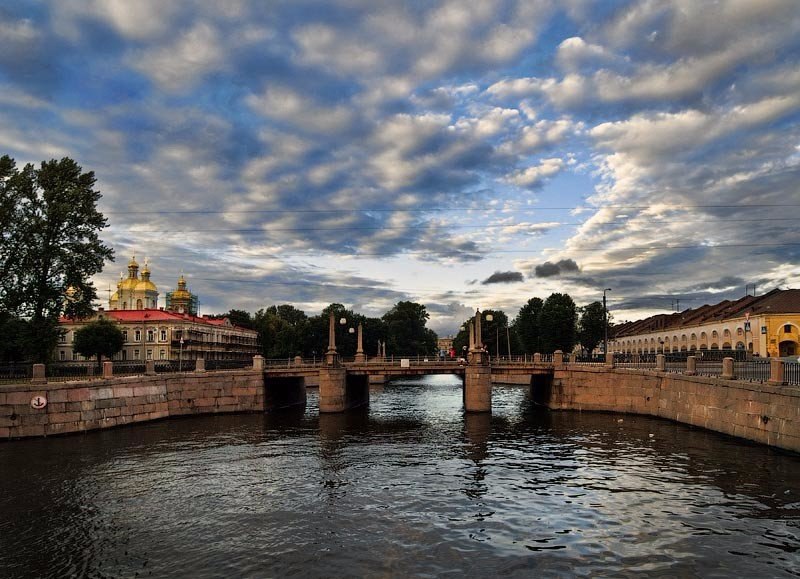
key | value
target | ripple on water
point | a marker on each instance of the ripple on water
(411, 486)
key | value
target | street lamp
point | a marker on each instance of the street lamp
(490, 318)
(605, 322)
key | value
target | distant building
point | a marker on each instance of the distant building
(444, 344)
(162, 334)
(767, 325)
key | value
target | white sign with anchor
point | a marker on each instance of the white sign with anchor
(38, 402)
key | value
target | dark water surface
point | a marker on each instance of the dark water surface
(410, 487)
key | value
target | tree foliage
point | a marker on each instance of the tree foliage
(526, 326)
(49, 245)
(591, 328)
(240, 318)
(406, 331)
(99, 338)
(557, 323)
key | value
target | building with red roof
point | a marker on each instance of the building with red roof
(153, 333)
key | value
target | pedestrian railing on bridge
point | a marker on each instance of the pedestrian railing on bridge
(752, 369)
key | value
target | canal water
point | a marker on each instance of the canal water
(410, 487)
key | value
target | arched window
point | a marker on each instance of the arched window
(740, 345)
(138, 304)
(740, 332)
(694, 337)
(124, 305)
(726, 346)
(715, 346)
(714, 334)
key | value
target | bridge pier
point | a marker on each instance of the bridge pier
(340, 391)
(478, 389)
(332, 389)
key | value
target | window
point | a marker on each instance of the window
(124, 335)
(124, 354)
(62, 355)
(137, 337)
(62, 339)
(162, 355)
(787, 329)
(136, 354)
(151, 335)
(163, 336)
(149, 354)
(74, 356)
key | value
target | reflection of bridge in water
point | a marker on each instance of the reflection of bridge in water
(345, 385)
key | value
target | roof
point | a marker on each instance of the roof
(133, 316)
(776, 301)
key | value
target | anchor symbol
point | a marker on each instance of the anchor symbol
(39, 402)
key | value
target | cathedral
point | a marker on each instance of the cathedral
(139, 293)
(174, 332)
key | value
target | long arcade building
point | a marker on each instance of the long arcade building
(153, 333)
(765, 325)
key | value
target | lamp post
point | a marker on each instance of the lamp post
(605, 322)
(490, 318)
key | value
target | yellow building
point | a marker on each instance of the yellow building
(766, 325)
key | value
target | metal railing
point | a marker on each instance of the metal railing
(791, 373)
(228, 364)
(598, 360)
(16, 373)
(709, 367)
(752, 370)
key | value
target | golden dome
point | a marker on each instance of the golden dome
(128, 284)
(181, 294)
(146, 285)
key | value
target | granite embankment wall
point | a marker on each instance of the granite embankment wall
(769, 414)
(82, 406)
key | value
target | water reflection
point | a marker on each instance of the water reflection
(410, 486)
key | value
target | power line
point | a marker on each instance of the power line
(442, 209)
(443, 226)
(457, 253)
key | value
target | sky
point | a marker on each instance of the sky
(460, 154)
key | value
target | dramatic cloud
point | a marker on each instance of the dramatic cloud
(370, 152)
(504, 277)
(548, 269)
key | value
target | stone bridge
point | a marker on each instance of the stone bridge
(346, 385)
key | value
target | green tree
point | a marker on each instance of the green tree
(15, 333)
(526, 326)
(557, 323)
(240, 318)
(50, 246)
(99, 338)
(591, 328)
(406, 330)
